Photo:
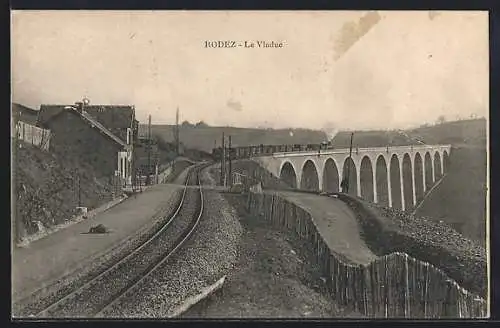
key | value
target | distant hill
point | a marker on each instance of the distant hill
(469, 132)
(457, 132)
(370, 139)
(206, 137)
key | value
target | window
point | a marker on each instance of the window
(129, 136)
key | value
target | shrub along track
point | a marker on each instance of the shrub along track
(90, 296)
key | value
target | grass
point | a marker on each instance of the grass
(47, 188)
(388, 230)
(206, 138)
(460, 199)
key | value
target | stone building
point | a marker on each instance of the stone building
(102, 135)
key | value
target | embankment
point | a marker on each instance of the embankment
(394, 285)
(387, 230)
(49, 188)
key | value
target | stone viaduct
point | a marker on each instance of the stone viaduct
(395, 176)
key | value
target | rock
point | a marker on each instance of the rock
(100, 228)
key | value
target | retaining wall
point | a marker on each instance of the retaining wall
(393, 286)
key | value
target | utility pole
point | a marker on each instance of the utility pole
(176, 131)
(148, 172)
(223, 162)
(349, 167)
(16, 215)
(79, 189)
(230, 164)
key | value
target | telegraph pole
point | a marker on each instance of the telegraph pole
(16, 215)
(79, 189)
(176, 131)
(349, 167)
(230, 164)
(223, 162)
(149, 151)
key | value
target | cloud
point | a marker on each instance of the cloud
(352, 32)
(235, 105)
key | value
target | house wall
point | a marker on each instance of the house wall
(73, 137)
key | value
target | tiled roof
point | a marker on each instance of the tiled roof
(114, 118)
(48, 111)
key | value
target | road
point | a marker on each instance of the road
(60, 253)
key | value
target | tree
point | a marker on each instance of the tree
(201, 124)
(441, 119)
(186, 123)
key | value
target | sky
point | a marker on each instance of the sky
(336, 70)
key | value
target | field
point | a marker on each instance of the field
(206, 138)
(468, 132)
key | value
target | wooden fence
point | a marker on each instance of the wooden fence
(33, 135)
(393, 286)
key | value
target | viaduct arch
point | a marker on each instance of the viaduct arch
(397, 177)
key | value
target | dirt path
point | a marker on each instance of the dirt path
(337, 224)
(273, 278)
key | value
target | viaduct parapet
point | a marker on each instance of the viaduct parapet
(396, 176)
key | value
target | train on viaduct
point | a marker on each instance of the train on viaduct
(394, 176)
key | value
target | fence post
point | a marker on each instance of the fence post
(406, 287)
(426, 288)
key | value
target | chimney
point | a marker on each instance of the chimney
(79, 106)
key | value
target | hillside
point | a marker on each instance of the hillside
(455, 133)
(467, 132)
(205, 137)
(370, 139)
(460, 199)
(47, 189)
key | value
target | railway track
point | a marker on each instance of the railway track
(105, 289)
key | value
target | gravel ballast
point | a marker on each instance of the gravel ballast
(206, 257)
(275, 277)
(93, 266)
(90, 300)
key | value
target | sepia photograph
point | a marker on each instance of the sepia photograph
(249, 164)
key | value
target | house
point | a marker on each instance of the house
(101, 135)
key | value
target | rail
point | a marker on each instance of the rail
(60, 302)
(167, 257)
